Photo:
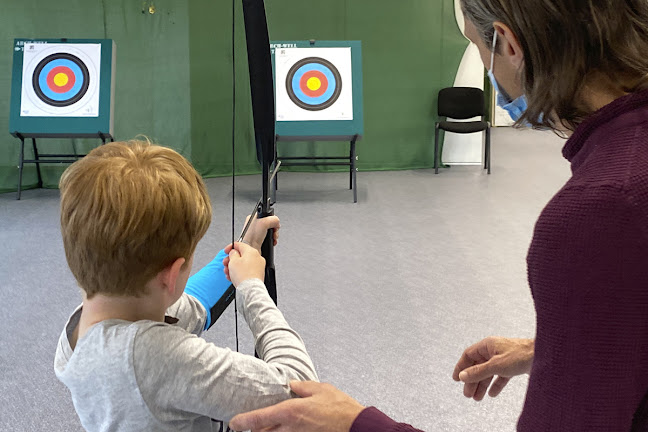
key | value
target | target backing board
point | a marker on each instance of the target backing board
(62, 87)
(318, 88)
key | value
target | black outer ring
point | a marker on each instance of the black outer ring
(323, 105)
(74, 99)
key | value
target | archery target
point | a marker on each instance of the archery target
(60, 80)
(313, 84)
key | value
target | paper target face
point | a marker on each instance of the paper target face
(60, 80)
(313, 84)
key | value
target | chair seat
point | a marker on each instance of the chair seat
(463, 127)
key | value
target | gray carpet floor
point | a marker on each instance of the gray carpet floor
(386, 293)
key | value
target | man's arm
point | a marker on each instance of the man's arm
(322, 408)
(373, 420)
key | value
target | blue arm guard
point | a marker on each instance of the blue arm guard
(209, 284)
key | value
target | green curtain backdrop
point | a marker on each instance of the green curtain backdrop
(174, 74)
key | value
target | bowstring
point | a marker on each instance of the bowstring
(233, 152)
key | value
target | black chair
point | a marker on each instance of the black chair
(462, 103)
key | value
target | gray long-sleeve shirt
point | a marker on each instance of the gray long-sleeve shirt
(154, 376)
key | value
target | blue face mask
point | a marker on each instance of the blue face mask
(515, 108)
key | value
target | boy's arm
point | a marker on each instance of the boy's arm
(178, 372)
(210, 283)
(205, 287)
(190, 314)
(270, 329)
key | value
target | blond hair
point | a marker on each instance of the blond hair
(128, 210)
(567, 44)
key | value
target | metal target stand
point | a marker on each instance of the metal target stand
(40, 158)
(349, 160)
(350, 130)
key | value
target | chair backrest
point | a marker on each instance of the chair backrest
(461, 102)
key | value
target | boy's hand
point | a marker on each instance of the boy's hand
(256, 234)
(243, 263)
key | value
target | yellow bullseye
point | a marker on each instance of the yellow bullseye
(313, 84)
(60, 79)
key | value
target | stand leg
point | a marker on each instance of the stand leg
(354, 170)
(74, 149)
(351, 165)
(20, 166)
(38, 170)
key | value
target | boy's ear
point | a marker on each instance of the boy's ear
(170, 274)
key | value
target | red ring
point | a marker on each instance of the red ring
(57, 70)
(303, 83)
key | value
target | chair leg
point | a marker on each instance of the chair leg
(488, 149)
(436, 149)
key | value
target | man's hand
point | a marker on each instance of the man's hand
(322, 409)
(256, 234)
(492, 356)
(242, 263)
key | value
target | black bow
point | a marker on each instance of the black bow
(263, 110)
(260, 65)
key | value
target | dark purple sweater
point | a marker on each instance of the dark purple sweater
(588, 272)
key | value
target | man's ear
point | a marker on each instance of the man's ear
(510, 47)
(169, 275)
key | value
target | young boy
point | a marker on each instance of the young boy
(131, 216)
